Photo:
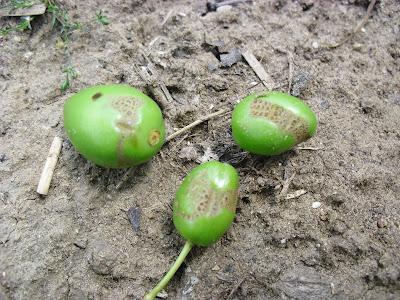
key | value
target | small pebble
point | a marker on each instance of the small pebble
(357, 46)
(315, 45)
(216, 268)
(163, 295)
(224, 8)
(382, 223)
(28, 55)
(194, 280)
(316, 204)
(17, 39)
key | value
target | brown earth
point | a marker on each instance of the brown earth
(77, 243)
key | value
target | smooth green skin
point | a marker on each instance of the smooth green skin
(205, 230)
(91, 126)
(264, 137)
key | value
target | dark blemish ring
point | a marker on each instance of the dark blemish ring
(96, 96)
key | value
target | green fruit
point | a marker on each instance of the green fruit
(271, 123)
(114, 126)
(205, 203)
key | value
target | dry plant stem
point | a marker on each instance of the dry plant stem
(48, 170)
(310, 148)
(358, 27)
(195, 123)
(295, 194)
(164, 281)
(265, 78)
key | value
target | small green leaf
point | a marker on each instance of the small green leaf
(102, 19)
(65, 85)
(5, 30)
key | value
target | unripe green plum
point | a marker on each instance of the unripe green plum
(205, 203)
(204, 208)
(114, 126)
(271, 123)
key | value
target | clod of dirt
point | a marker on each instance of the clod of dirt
(305, 283)
(102, 258)
(230, 58)
(188, 153)
(300, 83)
(207, 156)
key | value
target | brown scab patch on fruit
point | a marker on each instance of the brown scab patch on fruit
(154, 137)
(286, 120)
(126, 105)
(96, 96)
(207, 201)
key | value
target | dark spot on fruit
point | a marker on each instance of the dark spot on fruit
(154, 137)
(96, 96)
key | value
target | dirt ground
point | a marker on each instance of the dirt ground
(78, 243)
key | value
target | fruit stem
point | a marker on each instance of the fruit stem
(161, 285)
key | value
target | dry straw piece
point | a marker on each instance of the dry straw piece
(48, 170)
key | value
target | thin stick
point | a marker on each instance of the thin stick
(125, 177)
(235, 288)
(290, 61)
(295, 194)
(48, 170)
(310, 148)
(195, 123)
(358, 27)
(167, 17)
(265, 78)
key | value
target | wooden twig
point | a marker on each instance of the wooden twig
(48, 170)
(156, 78)
(310, 148)
(235, 288)
(358, 27)
(265, 78)
(195, 123)
(125, 177)
(167, 17)
(295, 194)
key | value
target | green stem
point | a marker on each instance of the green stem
(161, 285)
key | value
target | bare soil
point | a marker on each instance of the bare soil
(78, 243)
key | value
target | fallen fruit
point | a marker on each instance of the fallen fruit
(271, 123)
(204, 208)
(114, 126)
